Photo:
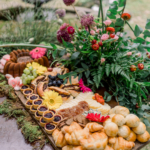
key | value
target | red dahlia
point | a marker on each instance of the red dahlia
(95, 47)
(71, 30)
(94, 41)
(140, 66)
(112, 35)
(100, 44)
(110, 29)
(69, 2)
(96, 117)
(126, 16)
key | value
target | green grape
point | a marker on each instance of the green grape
(35, 75)
(34, 70)
(24, 82)
(32, 77)
(30, 68)
(23, 75)
(24, 71)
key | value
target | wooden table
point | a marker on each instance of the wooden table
(112, 103)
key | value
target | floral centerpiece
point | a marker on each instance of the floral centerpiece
(102, 55)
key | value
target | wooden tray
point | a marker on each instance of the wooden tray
(112, 103)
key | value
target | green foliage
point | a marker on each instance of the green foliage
(31, 132)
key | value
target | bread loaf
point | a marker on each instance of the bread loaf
(140, 129)
(131, 137)
(132, 120)
(124, 131)
(118, 119)
(143, 137)
(111, 129)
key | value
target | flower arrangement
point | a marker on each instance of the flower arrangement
(102, 55)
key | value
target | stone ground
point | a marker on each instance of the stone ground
(11, 138)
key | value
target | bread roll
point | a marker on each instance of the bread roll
(131, 137)
(118, 119)
(111, 129)
(107, 121)
(143, 137)
(97, 141)
(140, 129)
(108, 148)
(120, 110)
(132, 120)
(124, 131)
(118, 143)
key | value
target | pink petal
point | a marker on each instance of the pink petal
(12, 82)
(17, 88)
(6, 57)
(8, 76)
(1, 67)
(3, 62)
(18, 80)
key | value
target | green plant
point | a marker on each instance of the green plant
(110, 62)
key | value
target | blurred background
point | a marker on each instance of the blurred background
(35, 21)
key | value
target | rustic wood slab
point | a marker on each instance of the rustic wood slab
(112, 103)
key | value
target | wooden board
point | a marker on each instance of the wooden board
(23, 100)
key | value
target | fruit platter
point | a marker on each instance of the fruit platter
(70, 114)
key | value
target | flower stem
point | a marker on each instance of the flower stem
(76, 11)
(99, 12)
(102, 15)
(129, 26)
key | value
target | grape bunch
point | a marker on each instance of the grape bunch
(28, 75)
(55, 81)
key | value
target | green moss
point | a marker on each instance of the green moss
(31, 132)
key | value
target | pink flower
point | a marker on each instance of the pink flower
(1, 67)
(116, 38)
(138, 55)
(64, 26)
(3, 62)
(60, 12)
(70, 30)
(6, 57)
(107, 22)
(92, 32)
(38, 52)
(8, 76)
(102, 60)
(16, 83)
(83, 87)
(119, 34)
(12, 82)
(97, 31)
(105, 37)
(1, 71)
(87, 20)
(129, 53)
(95, 28)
